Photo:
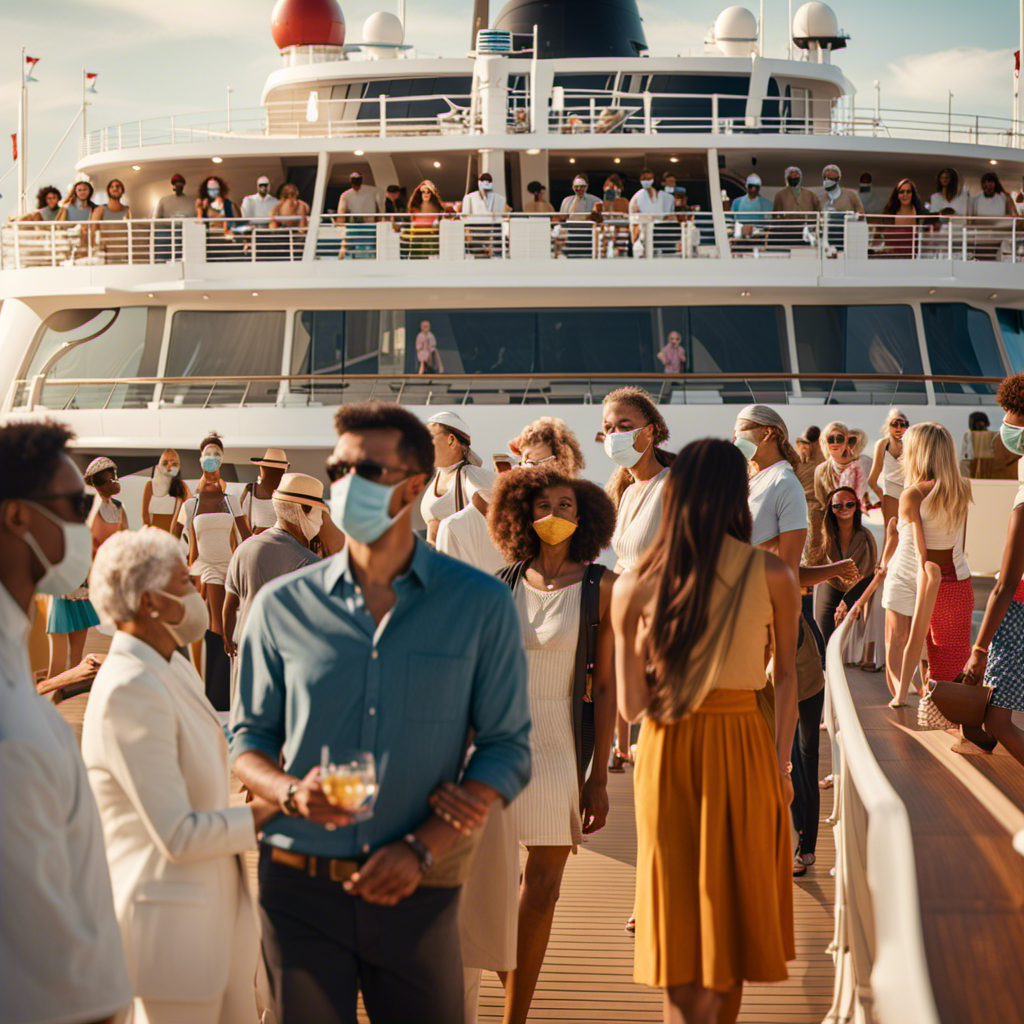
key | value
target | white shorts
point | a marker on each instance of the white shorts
(899, 594)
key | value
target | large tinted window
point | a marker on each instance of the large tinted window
(231, 343)
(1011, 325)
(961, 343)
(862, 340)
(400, 93)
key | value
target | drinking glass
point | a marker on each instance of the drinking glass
(349, 781)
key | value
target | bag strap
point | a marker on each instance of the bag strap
(460, 497)
(586, 654)
(512, 574)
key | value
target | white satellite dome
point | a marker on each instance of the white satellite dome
(815, 20)
(383, 29)
(736, 32)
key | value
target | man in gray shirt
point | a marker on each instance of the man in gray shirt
(177, 205)
(300, 506)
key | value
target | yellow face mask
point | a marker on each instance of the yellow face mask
(554, 529)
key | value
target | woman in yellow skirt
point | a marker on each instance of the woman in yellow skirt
(714, 903)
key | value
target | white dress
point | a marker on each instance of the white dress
(547, 811)
(892, 474)
(638, 520)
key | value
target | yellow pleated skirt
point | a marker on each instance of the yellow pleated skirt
(714, 886)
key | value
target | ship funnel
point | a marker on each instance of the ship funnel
(577, 28)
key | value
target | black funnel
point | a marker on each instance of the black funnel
(577, 28)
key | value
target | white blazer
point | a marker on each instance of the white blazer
(158, 766)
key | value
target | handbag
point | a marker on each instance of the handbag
(948, 704)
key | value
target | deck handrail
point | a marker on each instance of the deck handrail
(878, 948)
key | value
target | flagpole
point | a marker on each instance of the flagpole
(22, 126)
(1016, 91)
(85, 133)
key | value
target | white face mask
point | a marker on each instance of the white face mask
(830, 184)
(194, 622)
(60, 578)
(485, 185)
(620, 448)
(310, 524)
(647, 183)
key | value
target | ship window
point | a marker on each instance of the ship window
(961, 343)
(402, 93)
(319, 343)
(862, 340)
(1011, 324)
(225, 343)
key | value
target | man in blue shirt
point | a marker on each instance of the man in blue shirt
(751, 212)
(391, 648)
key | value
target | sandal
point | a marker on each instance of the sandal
(630, 928)
(618, 762)
(828, 782)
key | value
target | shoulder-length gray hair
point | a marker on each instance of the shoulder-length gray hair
(127, 565)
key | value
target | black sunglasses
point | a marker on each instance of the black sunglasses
(836, 439)
(844, 504)
(81, 503)
(899, 423)
(367, 469)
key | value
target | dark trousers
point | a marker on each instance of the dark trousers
(807, 610)
(322, 946)
(806, 804)
(833, 598)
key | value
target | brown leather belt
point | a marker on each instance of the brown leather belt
(333, 868)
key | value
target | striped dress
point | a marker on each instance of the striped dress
(547, 811)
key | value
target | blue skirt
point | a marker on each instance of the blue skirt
(1005, 669)
(71, 616)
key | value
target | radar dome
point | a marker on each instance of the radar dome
(736, 32)
(383, 29)
(815, 21)
(307, 23)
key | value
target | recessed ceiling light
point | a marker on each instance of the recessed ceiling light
(437, 163)
(357, 152)
(572, 159)
(618, 160)
(218, 159)
(744, 295)
(533, 152)
(151, 295)
(993, 162)
(254, 294)
(931, 291)
(206, 296)
(994, 295)
(136, 167)
(673, 159)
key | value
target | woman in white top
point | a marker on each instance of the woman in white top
(632, 428)
(158, 767)
(551, 528)
(994, 201)
(459, 473)
(886, 477)
(933, 511)
(257, 498)
(950, 194)
(164, 495)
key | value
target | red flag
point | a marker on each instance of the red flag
(14, 145)
(1016, 61)
(90, 77)
(31, 62)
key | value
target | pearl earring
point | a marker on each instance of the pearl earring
(154, 615)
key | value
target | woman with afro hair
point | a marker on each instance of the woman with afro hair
(551, 527)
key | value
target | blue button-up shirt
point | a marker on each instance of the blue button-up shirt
(316, 669)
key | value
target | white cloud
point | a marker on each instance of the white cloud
(981, 79)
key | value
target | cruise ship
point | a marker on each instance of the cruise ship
(151, 332)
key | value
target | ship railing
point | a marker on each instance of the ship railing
(53, 392)
(674, 233)
(878, 944)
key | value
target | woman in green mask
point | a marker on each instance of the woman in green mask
(551, 528)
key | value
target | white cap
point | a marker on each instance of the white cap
(753, 179)
(262, 180)
(452, 420)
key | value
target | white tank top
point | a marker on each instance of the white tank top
(259, 510)
(638, 520)
(942, 536)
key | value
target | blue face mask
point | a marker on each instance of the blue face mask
(1012, 436)
(359, 507)
(210, 463)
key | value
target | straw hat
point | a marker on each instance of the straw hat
(301, 489)
(97, 466)
(275, 458)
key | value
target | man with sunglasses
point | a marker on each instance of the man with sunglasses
(61, 957)
(393, 649)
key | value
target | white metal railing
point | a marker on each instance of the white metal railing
(881, 968)
(520, 237)
(573, 111)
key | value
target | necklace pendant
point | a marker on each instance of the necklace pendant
(551, 586)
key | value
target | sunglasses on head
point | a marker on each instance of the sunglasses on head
(840, 505)
(899, 423)
(81, 503)
(836, 439)
(368, 469)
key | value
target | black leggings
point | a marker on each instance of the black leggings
(833, 597)
(806, 804)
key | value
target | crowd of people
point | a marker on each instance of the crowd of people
(493, 671)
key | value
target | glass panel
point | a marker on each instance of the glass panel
(1011, 324)
(858, 339)
(597, 340)
(235, 343)
(961, 343)
(476, 340)
(319, 343)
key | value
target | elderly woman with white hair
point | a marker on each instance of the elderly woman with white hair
(158, 766)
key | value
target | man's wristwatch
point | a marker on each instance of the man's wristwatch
(288, 804)
(426, 858)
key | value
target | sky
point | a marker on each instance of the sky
(161, 57)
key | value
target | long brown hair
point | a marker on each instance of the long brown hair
(643, 403)
(705, 500)
(416, 202)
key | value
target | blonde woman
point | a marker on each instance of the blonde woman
(291, 211)
(550, 443)
(886, 477)
(934, 507)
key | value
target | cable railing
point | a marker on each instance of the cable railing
(610, 231)
(47, 391)
(878, 945)
(567, 111)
